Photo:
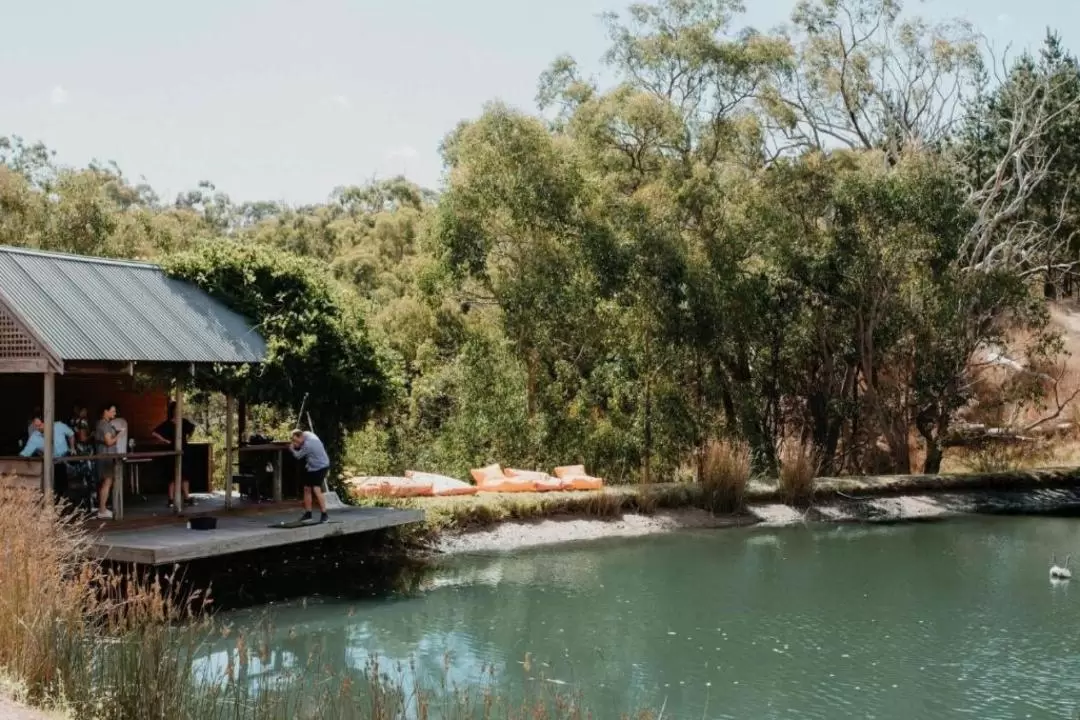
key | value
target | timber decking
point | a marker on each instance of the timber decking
(173, 543)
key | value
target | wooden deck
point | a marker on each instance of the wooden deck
(151, 535)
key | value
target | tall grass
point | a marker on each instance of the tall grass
(725, 473)
(45, 589)
(798, 470)
(108, 645)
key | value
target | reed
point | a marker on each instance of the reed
(798, 471)
(725, 474)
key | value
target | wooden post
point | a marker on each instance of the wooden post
(241, 420)
(228, 451)
(117, 470)
(178, 446)
(278, 460)
(48, 412)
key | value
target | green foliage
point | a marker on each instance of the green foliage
(772, 239)
(317, 345)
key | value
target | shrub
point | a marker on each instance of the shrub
(317, 341)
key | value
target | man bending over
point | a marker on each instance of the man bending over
(308, 447)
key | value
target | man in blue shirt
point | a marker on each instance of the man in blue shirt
(308, 447)
(63, 444)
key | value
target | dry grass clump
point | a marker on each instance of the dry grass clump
(76, 633)
(1006, 456)
(45, 588)
(798, 470)
(725, 474)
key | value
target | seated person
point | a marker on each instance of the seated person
(63, 445)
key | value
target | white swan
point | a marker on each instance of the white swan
(1060, 572)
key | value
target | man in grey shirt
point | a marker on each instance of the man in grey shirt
(105, 437)
(308, 447)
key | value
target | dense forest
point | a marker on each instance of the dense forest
(803, 238)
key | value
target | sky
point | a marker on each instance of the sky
(285, 100)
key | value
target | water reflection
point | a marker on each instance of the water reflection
(936, 620)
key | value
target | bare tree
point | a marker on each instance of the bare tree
(1002, 235)
(863, 78)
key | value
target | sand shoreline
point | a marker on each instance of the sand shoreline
(518, 535)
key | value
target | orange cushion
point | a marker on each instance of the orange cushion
(443, 485)
(369, 486)
(567, 471)
(549, 484)
(584, 482)
(541, 480)
(506, 485)
(410, 486)
(491, 472)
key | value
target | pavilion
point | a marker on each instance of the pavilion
(78, 326)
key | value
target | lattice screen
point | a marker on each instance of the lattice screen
(14, 343)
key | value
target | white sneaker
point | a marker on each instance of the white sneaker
(105, 515)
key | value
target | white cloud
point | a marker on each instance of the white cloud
(341, 101)
(59, 95)
(405, 152)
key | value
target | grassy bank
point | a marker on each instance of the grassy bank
(93, 644)
(478, 512)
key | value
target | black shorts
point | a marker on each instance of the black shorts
(314, 478)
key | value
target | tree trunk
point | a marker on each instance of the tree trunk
(530, 390)
(646, 459)
(934, 456)
(699, 396)
(933, 432)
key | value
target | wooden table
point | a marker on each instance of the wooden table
(120, 461)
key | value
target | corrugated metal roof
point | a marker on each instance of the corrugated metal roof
(108, 310)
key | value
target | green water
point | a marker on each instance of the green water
(944, 620)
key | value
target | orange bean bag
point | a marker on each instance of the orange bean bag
(442, 485)
(369, 486)
(411, 487)
(541, 480)
(491, 473)
(584, 482)
(398, 487)
(491, 479)
(574, 477)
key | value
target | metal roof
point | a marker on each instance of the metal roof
(83, 308)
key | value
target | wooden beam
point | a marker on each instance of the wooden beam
(178, 445)
(102, 368)
(24, 365)
(228, 451)
(48, 405)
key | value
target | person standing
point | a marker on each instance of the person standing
(308, 447)
(63, 445)
(84, 434)
(166, 433)
(82, 474)
(105, 443)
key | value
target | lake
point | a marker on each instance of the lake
(955, 619)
